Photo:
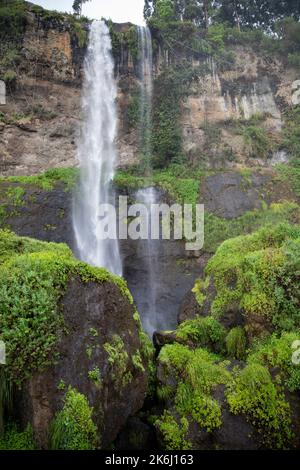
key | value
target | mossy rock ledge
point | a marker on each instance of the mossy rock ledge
(226, 378)
(76, 351)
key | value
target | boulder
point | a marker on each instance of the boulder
(82, 332)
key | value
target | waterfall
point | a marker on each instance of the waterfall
(150, 317)
(146, 75)
(96, 153)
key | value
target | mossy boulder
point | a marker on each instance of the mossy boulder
(213, 402)
(253, 282)
(69, 326)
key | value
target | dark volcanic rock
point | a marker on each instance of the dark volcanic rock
(100, 313)
(136, 435)
(229, 195)
(45, 215)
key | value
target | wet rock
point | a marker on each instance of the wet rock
(161, 338)
(229, 195)
(100, 314)
(136, 435)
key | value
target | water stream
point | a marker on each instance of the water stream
(96, 153)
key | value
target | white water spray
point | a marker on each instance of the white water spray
(146, 76)
(149, 314)
(96, 153)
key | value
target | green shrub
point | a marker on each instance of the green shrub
(196, 373)
(33, 277)
(9, 77)
(291, 133)
(254, 394)
(276, 352)
(12, 20)
(236, 342)
(73, 427)
(14, 439)
(174, 433)
(258, 274)
(261, 145)
(119, 361)
(204, 332)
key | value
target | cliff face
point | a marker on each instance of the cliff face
(255, 86)
(41, 120)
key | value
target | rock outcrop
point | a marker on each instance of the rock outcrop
(94, 346)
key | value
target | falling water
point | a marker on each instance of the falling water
(96, 153)
(150, 317)
(146, 72)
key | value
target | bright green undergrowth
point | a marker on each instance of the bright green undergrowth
(277, 352)
(263, 402)
(47, 180)
(204, 332)
(236, 342)
(260, 274)
(197, 372)
(33, 277)
(14, 439)
(73, 427)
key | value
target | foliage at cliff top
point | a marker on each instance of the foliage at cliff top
(201, 29)
(259, 274)
(33, 277)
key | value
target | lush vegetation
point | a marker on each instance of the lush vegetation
(73, 427)
(259, 273)
(14, 439)
(33, 278)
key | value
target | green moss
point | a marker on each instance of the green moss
(89, 351)
(204, 332)
(199, 289)
(179, 184)
(217, 229)
(236, 343)
(174, 433)
(147, 355)
(14, 439)
(47, 180)
(95, 376)
(33, 277)
(254, 394)
(119, 361)
(61, 385)
(276, 352)
(197, 374)
(73, 427)
(256, 273)
(137, 361)
(15, 195)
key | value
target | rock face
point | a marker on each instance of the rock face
(35, 138)
(42, 114)
(93, 345)
(99, 315)
(47, 215)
